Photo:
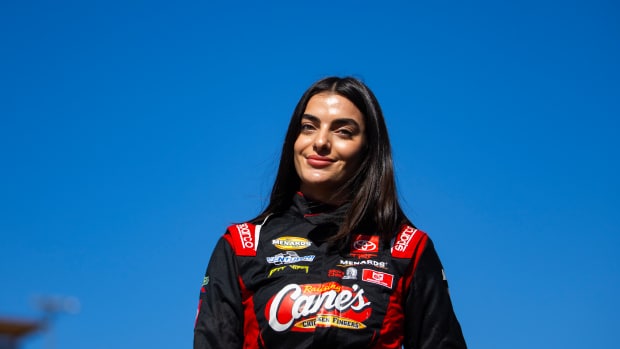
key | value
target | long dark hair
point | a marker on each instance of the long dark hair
(374, 205)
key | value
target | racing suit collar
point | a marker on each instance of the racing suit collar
(318, 213)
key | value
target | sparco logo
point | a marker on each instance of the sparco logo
(305, 307)
(245, 235)
(404, 238)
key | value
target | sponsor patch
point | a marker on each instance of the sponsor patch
(402, 246)
(302, 308)
(365, 262)
(365, 244)
(335, 273)
(289, 257)
(245, 235)
(243, 238)
(292, 266)
(364, 255)
(330, 321)
(350, 274)
(377, 277)
(205, 281)
(291, 243)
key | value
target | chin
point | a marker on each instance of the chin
(320, 186)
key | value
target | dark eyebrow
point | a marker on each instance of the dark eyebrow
(342, 121)
(310, 117)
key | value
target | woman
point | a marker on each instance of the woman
(332, 262)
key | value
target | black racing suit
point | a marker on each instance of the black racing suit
(280, 285)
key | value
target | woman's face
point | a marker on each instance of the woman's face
(329, 147)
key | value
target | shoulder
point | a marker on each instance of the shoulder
(409, 242)
(243, 238)
(408, 249)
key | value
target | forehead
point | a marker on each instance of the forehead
(333, 105)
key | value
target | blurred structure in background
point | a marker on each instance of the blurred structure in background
(52, 307)
(12, 330)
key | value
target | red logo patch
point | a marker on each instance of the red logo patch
(334, 273)
(377, 277)
(242, 238)
(365, 244)
(245, 235)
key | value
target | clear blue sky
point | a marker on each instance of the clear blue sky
(132, 133)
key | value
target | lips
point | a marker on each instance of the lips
(318, 161)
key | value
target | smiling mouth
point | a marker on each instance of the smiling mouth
(319, 161)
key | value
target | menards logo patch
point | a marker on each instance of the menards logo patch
(290, 243)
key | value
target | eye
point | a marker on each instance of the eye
(345, 132)
(307, 127)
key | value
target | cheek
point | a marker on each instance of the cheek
(354, 158)
(351, 153)
(297, 149)
(300, 144)
(296, 146)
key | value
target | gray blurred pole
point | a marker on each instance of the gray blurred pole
(51, 307)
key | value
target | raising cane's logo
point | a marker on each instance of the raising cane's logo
(304, 307)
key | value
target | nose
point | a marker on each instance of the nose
(322, 141)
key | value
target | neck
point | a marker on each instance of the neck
(329, 197)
